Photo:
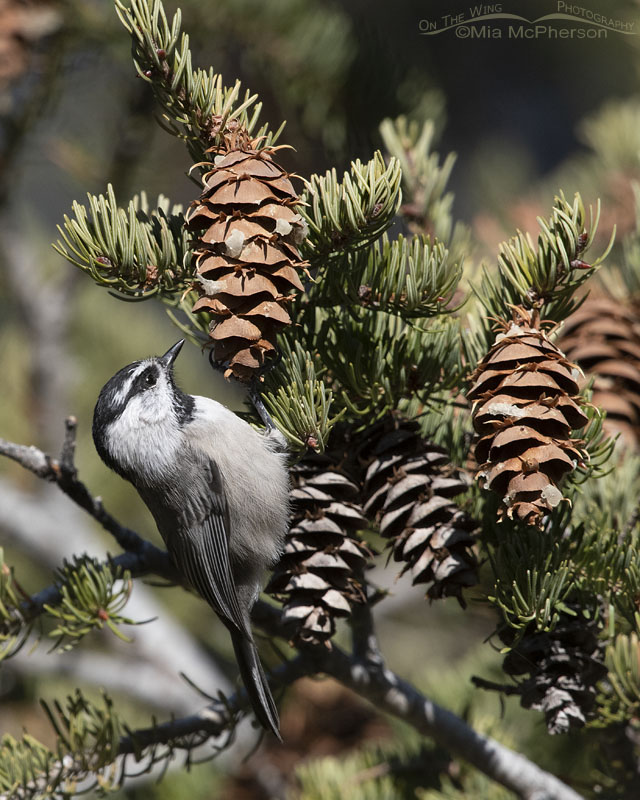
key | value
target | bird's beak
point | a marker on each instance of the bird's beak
(172, 353)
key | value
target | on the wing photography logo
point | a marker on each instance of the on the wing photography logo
(491, 21)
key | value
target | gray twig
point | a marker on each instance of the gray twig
(64, 474)
(366, 648)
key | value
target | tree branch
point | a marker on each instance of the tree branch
(364, 673)
(389, 692)
(216, 718)
(31, 524)
(52, 595)
(64, 474)
(366, 647)
(186, 733)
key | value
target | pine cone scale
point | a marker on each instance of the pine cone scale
(603, 336)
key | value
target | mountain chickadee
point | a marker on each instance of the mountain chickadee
(217, 489)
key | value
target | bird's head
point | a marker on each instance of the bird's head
(139, 413)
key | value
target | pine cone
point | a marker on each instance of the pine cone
(603, 337)
(408, 489)
(563, 668)
(525, 406)
(317, 578)
(247, 259)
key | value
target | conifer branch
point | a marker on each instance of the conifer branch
(377, 360)
(132, 564)
(139, 252)
(299, 400)
(366, 647)
(545, 277)
(196, 106)
(90, 740)
(356, 346)
(86, 596)
(92, 595)
(389, 692)
(623, 675)
(352, 213)
(426, 206)
(412, 278)
(383, 688)
(94, 746)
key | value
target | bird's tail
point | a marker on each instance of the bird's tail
(255, 682)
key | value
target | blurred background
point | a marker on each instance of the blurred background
(526, 117)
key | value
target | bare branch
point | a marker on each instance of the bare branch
(364, 672)
(64, 474)
(29, 457)
(68, 452)
(32, 524)
(214, 720)
(366, 647)
(389, 692)
(398, 697)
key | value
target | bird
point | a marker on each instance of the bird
(217, 488)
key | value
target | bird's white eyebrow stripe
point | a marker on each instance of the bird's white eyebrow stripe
(123, 392)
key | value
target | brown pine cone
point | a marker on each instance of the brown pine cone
(603, 337)
(559, 670)
(526, 404)
(408, 489)
(247, 258)
(318, 577)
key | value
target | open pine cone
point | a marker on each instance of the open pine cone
(526, 404)
(408, 489)
(603, 337)
(559, 670)
(247, 258)
(317, 578)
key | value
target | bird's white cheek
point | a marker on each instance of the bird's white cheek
(145, 441)
(154, 409)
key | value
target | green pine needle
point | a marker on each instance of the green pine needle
(353, 213)
(138, 252)
(196, 105)
(298, 399)
(408, 277)
(92, 597)
(548, 275)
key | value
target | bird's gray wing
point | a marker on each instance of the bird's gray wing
(201, 553)
(201, 550)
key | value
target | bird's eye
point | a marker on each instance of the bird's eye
(150, 379)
